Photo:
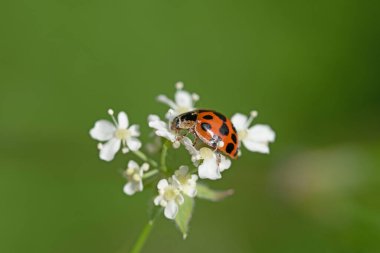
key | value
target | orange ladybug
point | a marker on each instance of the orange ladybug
(212, 128)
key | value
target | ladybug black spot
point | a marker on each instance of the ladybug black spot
(221, 116)
(206, 126)
(233, 137)
(208, 116)
(224, 130)
(230, 147)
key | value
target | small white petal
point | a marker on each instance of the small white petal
(184, 99)
(134, 130)
(109, 149)
(157, 200)
(171, 210)
(261, 133)
(129, 188)
(162, 184)
(139, 186)
(132, 164)
(182, 171)
(144, 167)
(209, 169)
(239, 121)
(133, 144)
(189, 146)
(176, 144)
(164, 99)
(153, 117)
(191, 192)
(103, 130)
(122, 119)
(224, 163)
(256, 146)
(125, 150)
(180, 199)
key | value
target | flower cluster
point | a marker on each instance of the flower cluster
(175, 186)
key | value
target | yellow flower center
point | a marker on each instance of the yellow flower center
(242, 134)
(183, 109)
(122, 134)
(206, 153)
(170, 193)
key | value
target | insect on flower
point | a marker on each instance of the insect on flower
(212, 128)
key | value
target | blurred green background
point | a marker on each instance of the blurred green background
(311, 69)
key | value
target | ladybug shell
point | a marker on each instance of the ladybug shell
(212, 127)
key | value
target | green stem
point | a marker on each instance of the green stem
(150, 174)
(143, 157)
(139, 244)
(142, 238)
(164, 152)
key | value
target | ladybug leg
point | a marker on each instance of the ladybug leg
(218, 158)
(195, 141)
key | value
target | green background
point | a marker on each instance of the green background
(311, 69)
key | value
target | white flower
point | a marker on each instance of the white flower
(255, 138)
(184, 101)
(209, 168)
(169, 197)
(115, 135)
(187, 182)
(162, 129)
(134, 174)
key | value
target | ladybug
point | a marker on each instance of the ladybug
(212, 128)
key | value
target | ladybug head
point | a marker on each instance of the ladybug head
(175, 124)
(186, 120)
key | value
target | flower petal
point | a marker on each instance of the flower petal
(190, 147)
(109, 149)
(209, 169)
(261, 133)
(180, 199)
(254, 146)
(164, 99)
(122, 119)
(239, 121)
(103, 130)
(162, 184)
(129, 188)
(157, 200)
(132, 164)
(134, 130)
(191, 191)
(184, 99)
(133, 144)
(171, 210)
(224, 163)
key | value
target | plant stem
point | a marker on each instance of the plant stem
(142, 238)
(139, 244)
(164, 152)
(150, 173)
(143, 157)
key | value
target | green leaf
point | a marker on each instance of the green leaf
(184, 216)
(204, 192)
